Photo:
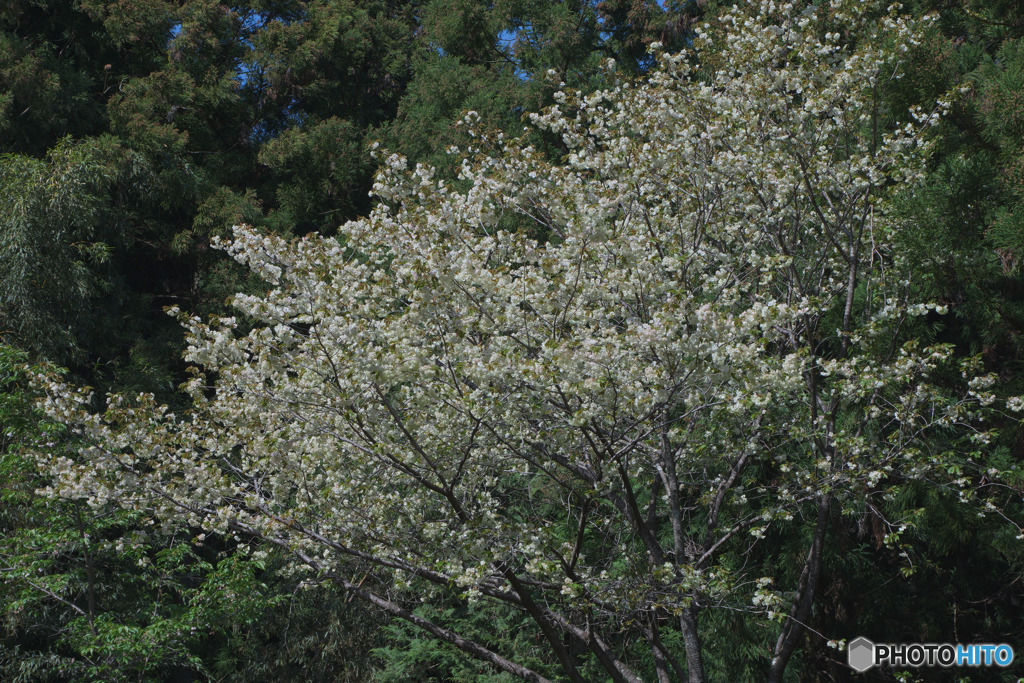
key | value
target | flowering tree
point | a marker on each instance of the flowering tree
(578, 389)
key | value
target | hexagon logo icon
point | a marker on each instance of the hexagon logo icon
(860, 654)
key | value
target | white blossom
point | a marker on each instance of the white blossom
(492, 385)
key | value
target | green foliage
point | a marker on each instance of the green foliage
(92, 593)
(310, 631)
(964, 229)
(54, 237)
(505, 59)
(957, 576)
(319, 170)
(413, 657)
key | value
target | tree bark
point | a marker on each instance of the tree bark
(691, 642)
(801, 610)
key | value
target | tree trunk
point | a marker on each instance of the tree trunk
(691, 640)
(801, 611)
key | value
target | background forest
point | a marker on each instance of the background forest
(135, 132)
